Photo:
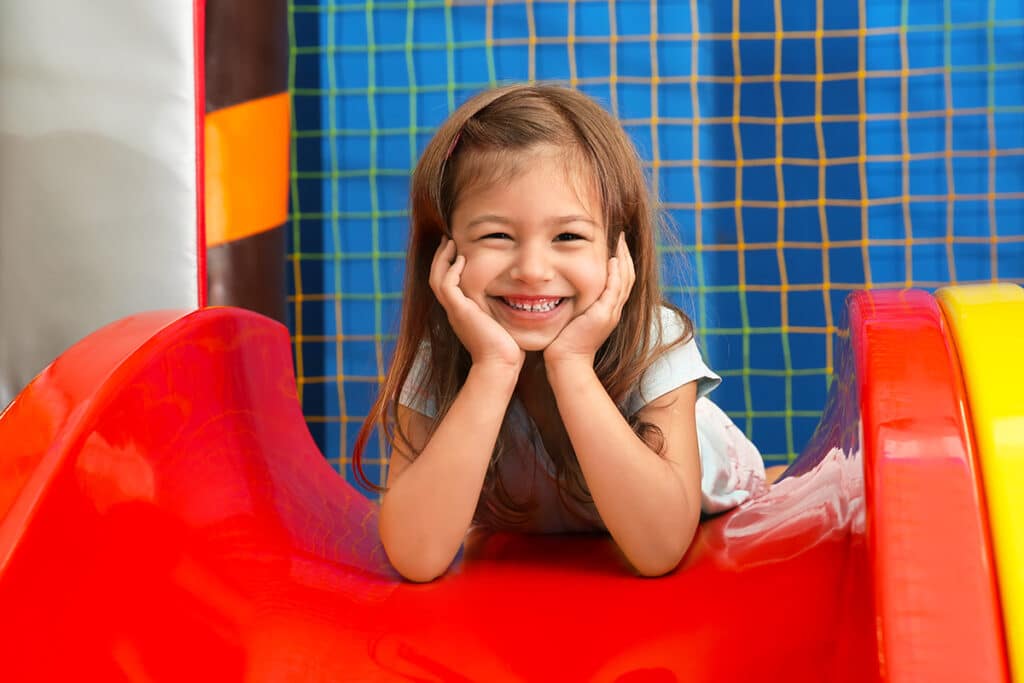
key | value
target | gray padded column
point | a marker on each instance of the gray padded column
(98, 187)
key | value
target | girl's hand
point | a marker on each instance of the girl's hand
(485, 339)
(582, 337)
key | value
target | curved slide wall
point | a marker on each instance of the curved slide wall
(164, 515)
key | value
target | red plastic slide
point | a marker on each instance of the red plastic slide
(165, 516)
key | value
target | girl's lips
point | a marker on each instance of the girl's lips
(531, 306)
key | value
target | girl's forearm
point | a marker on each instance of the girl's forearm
(424, 516)
(642, 498)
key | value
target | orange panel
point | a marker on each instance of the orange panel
(247, 168)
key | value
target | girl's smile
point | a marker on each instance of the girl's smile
(536, 304)
(535, 247)
(529, 312)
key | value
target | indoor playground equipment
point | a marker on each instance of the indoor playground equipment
(166, 516)
(845, 183)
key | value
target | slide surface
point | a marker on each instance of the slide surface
(165, 515)
(934, 585)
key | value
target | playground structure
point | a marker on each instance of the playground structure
(160, 494)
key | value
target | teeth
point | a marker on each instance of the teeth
(541, 306)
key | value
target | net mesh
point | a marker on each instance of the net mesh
(802, 150)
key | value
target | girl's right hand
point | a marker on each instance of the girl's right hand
(485, 339)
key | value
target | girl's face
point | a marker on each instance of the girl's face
(536, 248)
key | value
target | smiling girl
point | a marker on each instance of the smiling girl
(540, 382)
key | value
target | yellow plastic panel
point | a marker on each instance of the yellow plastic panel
(987, 322)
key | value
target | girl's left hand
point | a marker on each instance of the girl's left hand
(583, 336)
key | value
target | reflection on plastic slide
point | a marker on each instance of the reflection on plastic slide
(165, 515)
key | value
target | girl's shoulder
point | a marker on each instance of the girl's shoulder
(679, 362)
(671, 329)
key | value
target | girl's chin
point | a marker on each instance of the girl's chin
(533, 342)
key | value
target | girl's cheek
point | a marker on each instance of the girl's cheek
(596, 275)
(481, 262)
(471, 281)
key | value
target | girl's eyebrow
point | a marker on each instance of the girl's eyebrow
(575, 218)
(488, 218)
(556, 220)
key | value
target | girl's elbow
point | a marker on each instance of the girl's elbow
(655, 572)
(662, 558)
(654, 567)
(414, 559)
(416, 551)
(417, 573)
(416, 565)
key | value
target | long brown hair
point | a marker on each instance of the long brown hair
(487, 137)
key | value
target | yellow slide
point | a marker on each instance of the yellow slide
(987, 323)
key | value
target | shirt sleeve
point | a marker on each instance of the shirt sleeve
(415, 394)
(679, 365)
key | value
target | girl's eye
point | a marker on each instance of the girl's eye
(496, 236)
(568, 237)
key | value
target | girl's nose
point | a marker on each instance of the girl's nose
(532, 264)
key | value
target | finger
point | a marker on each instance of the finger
(616, 288)
(440, 265)
(623, 293)
(439, 254)
(610, 295)
(456, 300)
(442, 248)
(434, 276)
(454, 274)
(625, 286)
(627, 259)
(628, 272)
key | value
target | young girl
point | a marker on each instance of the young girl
(540, 383)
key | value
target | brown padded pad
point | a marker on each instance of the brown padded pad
(249, 273)
(246, 50)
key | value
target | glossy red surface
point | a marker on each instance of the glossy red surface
(934, 576)
(166, 516)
